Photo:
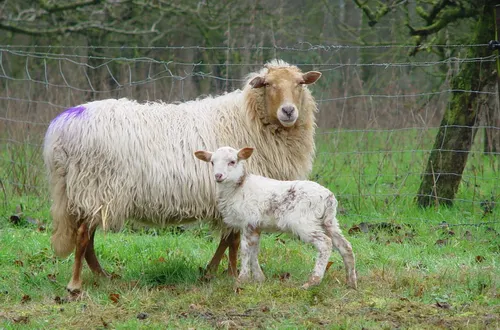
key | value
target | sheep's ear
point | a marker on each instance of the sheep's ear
(258, 82)
(203, 155)
(245, 153)
(310, 77)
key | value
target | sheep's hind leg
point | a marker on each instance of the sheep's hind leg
(91, 257)
(234, 244)
(323, 244)
(82, 241)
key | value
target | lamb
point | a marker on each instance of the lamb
(252, 203)
(113, 160)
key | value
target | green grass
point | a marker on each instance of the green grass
(414, 270)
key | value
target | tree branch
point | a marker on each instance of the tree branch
(74, 28)
(56, 8)
(447, 17)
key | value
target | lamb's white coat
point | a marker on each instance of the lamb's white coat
(252, 203)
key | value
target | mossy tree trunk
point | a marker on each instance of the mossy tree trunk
(448, 157)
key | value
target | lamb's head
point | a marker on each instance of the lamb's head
(283, 86)
(228, 163)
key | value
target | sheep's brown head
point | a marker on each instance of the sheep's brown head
(283, 86)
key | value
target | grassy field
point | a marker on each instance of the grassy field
(417, 268)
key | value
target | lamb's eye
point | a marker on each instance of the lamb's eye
(232, 163)
(212, 163)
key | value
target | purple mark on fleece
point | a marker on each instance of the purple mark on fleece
(71, 112)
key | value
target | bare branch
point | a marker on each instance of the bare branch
(74, 28)
(448, 16)
(56, 8)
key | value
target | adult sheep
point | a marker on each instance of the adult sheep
(113, 160)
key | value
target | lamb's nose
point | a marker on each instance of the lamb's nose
(218, 176)
(288, 110)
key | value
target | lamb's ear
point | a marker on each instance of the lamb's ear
(310, 77)
(203, 155)
(257, 82)
(245, 153)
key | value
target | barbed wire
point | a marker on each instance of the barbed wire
(308, 47)
(37, 82)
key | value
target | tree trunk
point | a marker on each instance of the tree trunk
(453, 142)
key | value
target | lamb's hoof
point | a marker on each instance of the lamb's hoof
(352, 285)
(259, 277)
(313, 281)
(243, 278)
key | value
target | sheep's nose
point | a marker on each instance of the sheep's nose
(288, 110)
(218, 177)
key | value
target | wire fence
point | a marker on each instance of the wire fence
(379, 111)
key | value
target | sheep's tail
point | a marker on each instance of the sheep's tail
(63, 238)
(64, 226)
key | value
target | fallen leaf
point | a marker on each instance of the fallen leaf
(20, 319)
(404, 299)
(114, 275)
(19, 263)
(284, 276)
(328, 265)
(142, 316)
(279, 240)
(15, 219)
(443, 305)
(442, 242)
(265, 309)
(114, 297)
(194, 307)
(51, 277)
(238, 290)
(25, 299)
(419, 291)
(161, 259)
(104, 323)
(479, 258)
(354, 230)
(468, 235)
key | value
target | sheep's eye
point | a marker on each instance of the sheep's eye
(232, 163)
(212, 163)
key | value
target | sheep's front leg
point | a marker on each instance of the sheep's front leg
(82, 241)
(323, 244)
(232, 240)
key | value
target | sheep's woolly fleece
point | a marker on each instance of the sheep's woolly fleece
(113, 160)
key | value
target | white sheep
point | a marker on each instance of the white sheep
(252, 203)
(113, 160)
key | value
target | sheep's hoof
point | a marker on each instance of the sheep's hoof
(74, 287)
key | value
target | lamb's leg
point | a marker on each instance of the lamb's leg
(323, 244)
(245, 258)
(253, 239)
(91, 257)
(345, 250)
(82, 241)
